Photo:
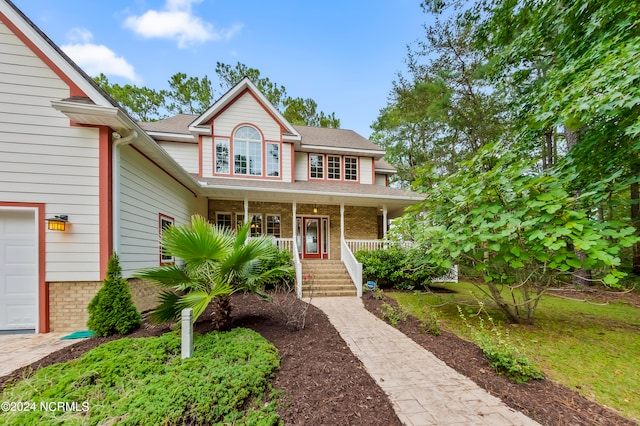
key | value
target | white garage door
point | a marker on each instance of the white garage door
(18, 270)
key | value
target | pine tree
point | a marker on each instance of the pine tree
(112, 310)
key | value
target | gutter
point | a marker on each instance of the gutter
(118, 141)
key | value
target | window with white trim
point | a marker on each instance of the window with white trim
(165, 222)
(247, 151)
(223, 220)
(273, 159)
(316, 166)
(256, 225)
(222, 156)
(334, 166)
(273, 225)
(350, 168)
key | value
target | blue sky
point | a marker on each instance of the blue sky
(343, 54)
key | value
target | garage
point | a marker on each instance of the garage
(18, 270)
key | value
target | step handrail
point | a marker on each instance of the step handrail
(353, 266)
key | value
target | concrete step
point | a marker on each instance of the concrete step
(326, 278)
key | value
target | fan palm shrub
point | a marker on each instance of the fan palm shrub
(213, 263)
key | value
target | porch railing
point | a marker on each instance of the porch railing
(285, 244)
(290, 245)
(356, 245)
(353, 266)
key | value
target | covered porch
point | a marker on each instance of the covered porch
(314, 222)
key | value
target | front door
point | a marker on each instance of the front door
(312, 238)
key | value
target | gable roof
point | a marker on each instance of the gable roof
(87, 102)
(81, 85)
(199, 125)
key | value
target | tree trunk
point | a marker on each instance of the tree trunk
(581, 277)
(221, 316)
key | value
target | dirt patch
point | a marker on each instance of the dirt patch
(324, 383)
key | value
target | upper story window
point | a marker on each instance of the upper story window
(222, 156)
(333, 167)
(273, 159)
(247, 151)
(337, 167)
(316, 166)
(350, 168)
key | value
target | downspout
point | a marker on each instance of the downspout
(118, 141)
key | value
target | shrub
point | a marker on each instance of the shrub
(392, 314)
(111, 311)
(503, 356)
(281, 258)
(401, 269)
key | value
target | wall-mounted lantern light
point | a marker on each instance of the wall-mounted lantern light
(315, 209)
(58, 223)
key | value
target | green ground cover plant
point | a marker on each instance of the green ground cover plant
(145, 381)
(587, 346)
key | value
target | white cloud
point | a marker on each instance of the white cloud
(176, 22)
(97, 58)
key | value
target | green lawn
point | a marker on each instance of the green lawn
(593, 348)
(145, 381)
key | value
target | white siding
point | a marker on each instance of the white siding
(186, 154)
(301, 172)
(381, 180)
(246, 109)
(366, 171)
(285, 160)
(45, 160)
(145, 193)
(207, 156)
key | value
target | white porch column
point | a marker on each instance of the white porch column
(246, 210)
(342, 221)
(384, 221)
(294, 224)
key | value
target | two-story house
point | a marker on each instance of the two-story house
(80, 179)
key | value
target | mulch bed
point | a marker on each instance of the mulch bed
(545, 401)
(324, 383)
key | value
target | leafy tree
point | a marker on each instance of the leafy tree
(295, 110)
(518, 228)
(229, 76)
(189, 95)
(217, 262)
(443, 111)
(141, 103)
(111, 311)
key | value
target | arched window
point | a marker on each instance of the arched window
(247, 151)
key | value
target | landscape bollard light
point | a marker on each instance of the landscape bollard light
(187, 333)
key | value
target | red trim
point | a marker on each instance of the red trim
(263, 153)
(105, 176)
(317, 255)
(160, 229)
(43, 286)
(325, 170)
(74, 90)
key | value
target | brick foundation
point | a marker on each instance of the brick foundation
(68, 302)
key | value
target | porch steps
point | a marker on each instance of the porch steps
(326, 278)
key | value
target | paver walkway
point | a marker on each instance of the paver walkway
(18, 350)
(422, 388)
